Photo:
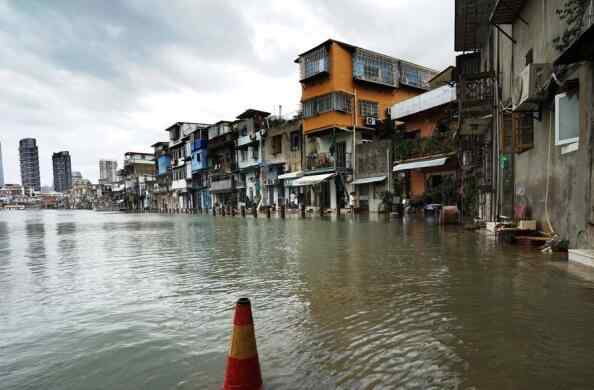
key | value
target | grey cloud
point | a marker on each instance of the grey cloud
(99, 78)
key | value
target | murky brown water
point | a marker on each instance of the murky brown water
(111, 301)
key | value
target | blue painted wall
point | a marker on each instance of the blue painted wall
(164, 164)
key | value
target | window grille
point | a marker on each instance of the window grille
(336, 101)
(374, 67)
(414, 76)
(367, 108)
(314, 62)
(343, 102)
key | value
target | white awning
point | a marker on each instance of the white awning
(290, 175)
(311, 180)
(368, 180)
(437, 162)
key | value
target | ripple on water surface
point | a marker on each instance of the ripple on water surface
(98, 300)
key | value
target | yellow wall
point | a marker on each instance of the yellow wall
(341, 79)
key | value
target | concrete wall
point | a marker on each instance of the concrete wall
(555, 185)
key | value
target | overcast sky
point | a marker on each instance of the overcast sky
(99, 78)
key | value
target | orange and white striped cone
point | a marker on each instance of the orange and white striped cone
(243, 365)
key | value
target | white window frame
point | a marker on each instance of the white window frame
(558, 141)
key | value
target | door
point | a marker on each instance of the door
(341, 155)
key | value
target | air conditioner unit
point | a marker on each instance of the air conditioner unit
(529, 87)
(370, 121)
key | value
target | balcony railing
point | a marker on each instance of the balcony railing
(475, 94)
(221, 185)
(320, 161)
(424, 147)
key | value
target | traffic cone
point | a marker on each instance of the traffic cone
(243, 365)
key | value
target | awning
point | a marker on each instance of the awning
(368, 180)
(437, 162)
(290, 175)
(311, 180)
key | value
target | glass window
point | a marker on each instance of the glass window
(368, 108)
(314, 62)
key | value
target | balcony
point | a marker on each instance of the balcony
(179, 184)
(317, 161)
(249, 163)
(248, 139)
(314, 63)
(476, 94)
(423, 147)
(221, 185)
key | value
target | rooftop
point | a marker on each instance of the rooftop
(351, 47)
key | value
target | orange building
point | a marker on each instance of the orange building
(336, 77)
(427, 152)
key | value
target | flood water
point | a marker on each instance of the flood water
(113, 301)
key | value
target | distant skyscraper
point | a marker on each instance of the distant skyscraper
(1, 168)
(62, 171)
(107, 171)
(29, 155)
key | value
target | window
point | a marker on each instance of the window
(374, 67)
(324, 104)
(336, 101)
(295, 140)
(567, 119)
(277, 144)
(242, 155)
(254, 153)
(523, 128)
(314, 62)
(343, 102)
(368, 108)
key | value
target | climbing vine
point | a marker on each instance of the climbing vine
(572, 14)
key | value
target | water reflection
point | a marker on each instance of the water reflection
(36, 252)
(338, 303)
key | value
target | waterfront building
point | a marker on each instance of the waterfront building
(163, 175)
(29, 159)
(427, 166)
(138, 175)
(107, 171)
(199, 149)
(1, 167)
(282, 162)
(527, 85)
(180, 150)
(76, 177)
(62, 171)
(222, 164)
(346, 94)
(250, 127)
(82, 195)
